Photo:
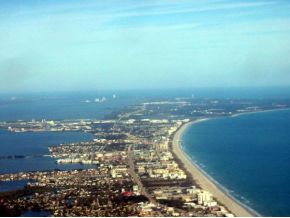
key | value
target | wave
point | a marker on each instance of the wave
(231, 193)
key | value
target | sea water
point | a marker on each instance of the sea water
(249, 155)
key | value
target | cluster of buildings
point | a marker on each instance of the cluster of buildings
(153, 165)
(93, 192)
(47, 125)
(134, 171)
(89, 153)
(154, 160)
(191, 201)
(166, 181)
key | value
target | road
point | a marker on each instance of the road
(136, 178)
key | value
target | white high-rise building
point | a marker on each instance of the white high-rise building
(204, 197)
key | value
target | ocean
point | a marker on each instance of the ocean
(249, 155)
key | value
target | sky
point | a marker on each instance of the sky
(143, 44)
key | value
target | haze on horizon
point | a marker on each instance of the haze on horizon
(86, 44)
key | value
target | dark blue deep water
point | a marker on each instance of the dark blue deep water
(12, 185)
(32, 213)
(249, 155)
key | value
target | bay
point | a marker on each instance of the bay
(36, 143)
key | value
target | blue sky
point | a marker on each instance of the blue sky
(128, 44)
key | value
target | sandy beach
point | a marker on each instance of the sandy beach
(205, 181)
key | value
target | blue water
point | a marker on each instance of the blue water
(58, 106)
(32, 143)
(249, 155)
(21, 143)
(71, 105)
(12, 185)
(32, 213)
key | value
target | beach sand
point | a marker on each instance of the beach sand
(204, 181)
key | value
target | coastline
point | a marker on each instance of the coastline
(204, 180)
(261, 111)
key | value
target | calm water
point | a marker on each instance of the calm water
(12, 185)
(32, 213)
(58, 106)
(31, 143)
(249, 154)
(71, 105)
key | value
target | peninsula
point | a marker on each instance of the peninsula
(137, 165)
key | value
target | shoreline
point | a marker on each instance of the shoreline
(205, 181)
(261, 111)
